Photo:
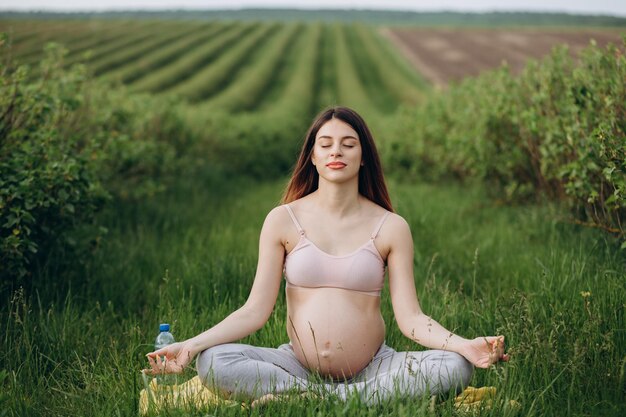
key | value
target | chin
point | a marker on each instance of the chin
(340, 179)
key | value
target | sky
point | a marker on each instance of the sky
(615, 7)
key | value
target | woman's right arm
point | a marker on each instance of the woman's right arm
(248, 318)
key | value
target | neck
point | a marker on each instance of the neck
(339, 199)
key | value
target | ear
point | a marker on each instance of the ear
(313, 159)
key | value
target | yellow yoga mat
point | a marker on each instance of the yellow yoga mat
(474, 399)
(190, 395)
(193, 394)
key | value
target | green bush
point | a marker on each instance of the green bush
(557, 131)
(258, 145)
(69, 144)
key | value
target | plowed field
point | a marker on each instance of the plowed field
(446, 55)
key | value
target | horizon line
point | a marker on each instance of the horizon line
(309, 9)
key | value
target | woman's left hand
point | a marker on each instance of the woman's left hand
(171, 359)
(484, 351)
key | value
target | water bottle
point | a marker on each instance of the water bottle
(163, 339)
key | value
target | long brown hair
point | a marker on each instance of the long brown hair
(305, 178)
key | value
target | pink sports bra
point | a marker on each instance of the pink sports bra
(308, 266)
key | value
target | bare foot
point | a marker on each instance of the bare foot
(266, 399)
(280, 397)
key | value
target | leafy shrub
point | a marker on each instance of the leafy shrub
(557, 131)
(69, 144)
(259, 145)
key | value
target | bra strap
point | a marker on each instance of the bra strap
(380, 224)
(295, 221)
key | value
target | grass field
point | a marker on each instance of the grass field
(74, 346)
(74, 339)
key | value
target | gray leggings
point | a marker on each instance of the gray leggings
(249, 372)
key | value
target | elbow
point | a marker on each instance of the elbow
(255, 317)
(411, 333)
(258, 324)
(413, 326)
(407, 329)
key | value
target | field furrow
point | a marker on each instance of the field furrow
(150, 62)
(73, 35)
(298, 97)
(326, 74)
(111, 49)
(351, 91)
(187, 65)
(254, 81)
(368, 72)
(212, 78)
(78, 47)
(449, 55)
(20, 33)
(53, 33)
(392, 78)
(289, 61)
(132, 54)
(103, 35)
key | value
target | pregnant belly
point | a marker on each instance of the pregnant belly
(333, 331)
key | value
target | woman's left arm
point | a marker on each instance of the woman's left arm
(413, 323)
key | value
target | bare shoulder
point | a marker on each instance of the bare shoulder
(279, 224)
(398, 222)
(276, 217)
(395, 234)
(396, 225)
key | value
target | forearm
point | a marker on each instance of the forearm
(237, 325)
(427, 332)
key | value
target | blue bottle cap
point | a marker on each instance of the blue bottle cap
(164, 327)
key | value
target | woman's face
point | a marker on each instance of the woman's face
(337, 151)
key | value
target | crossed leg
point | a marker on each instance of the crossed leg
(243, 371)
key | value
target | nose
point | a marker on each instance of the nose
(335, 150)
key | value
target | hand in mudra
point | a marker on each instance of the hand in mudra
(484, 351)
(171, 359)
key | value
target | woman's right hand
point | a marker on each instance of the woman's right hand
(485, 351)
(171, 359)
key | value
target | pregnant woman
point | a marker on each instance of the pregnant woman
(332, 239)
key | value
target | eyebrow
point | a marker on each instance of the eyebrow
(330, 137)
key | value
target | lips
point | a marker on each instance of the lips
(336, 165)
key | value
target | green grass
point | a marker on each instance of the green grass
(73, 344)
